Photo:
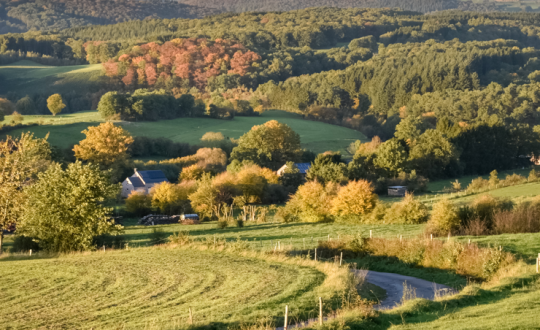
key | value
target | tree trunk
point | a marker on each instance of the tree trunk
(1, 239)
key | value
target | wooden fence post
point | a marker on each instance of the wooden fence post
(30, 252)
(448, 237)
(340, 258)
(315, 254)
(370, 233)
(190, 316)
(431, 237)
(320, 311)
(286, 317)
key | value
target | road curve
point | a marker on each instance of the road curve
(394, 283)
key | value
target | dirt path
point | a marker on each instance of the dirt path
(394, 284)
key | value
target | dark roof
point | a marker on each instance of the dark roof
(136, 182)
(153, 176)
(303, 167)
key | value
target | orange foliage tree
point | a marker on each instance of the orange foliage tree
(104, 144)
(192, 59)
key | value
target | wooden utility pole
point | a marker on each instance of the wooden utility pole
(286, 317)
(320, 311)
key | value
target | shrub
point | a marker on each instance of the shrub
(222, 224)
(478, 184)
(444, 218)
(533, 176)
(486, 205)
(523, 219)
(493, 178)
(513, 179)
(408, 211)
(456, 185)
(138, 204)
(239, 222)
(354, 200)
(181, 238)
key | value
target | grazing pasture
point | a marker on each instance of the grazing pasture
(65, 130)
(151, 288)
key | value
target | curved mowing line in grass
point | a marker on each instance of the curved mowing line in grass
(149, 286)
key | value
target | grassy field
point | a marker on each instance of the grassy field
(66, 130)
(27, 77)
(150, 288)
(267, 235)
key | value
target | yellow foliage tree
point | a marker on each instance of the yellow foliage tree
(355, 199)
(138, 203)
(169, 198)
(193, 172)
(313, 202)
(105, 144)
(55, 104)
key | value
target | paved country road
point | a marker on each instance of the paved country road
(394, 284)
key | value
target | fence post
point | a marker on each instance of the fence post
(431, 237)
(30, 252)
(190, 317)
(315, 254)
(340, 258)
(320, 311)
(448, 237)
(286, 317)
(103, 247)
(469, 241)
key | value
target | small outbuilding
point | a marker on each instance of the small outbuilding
(397, 191)
(302, 168)
(142, 181)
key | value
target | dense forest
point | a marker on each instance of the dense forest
(24, 15)
(449, 76)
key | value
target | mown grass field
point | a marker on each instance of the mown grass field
(27, 77)
(150, 288)
(65, 130)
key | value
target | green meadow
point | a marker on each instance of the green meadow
(27, 77)
(65, 130)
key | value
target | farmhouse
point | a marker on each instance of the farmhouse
(302, 167)
(142, 181)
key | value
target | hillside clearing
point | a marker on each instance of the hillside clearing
(27, 77)
(316, 136)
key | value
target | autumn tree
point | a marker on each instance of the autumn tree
(444, 218)
(354, 200)
(170, 198)
(312, 202)
(65, 212)
(270, 145)
(55, 104)
(21, 159)
(26, 106)
(6, 107)
(105, 144)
